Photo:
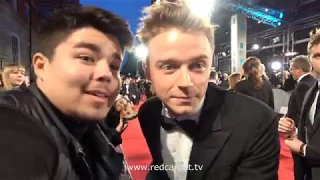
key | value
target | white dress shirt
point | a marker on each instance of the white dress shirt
(176, 147)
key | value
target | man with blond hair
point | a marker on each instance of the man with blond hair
(304, 140)
(194, 129)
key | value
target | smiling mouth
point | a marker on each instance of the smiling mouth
(98, 94)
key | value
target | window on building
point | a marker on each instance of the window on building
(27, 12)
(15, 49)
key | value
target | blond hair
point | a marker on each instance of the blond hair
(314, 39)
(165, 14)
(8, 69)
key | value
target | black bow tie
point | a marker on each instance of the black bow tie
(189, 126)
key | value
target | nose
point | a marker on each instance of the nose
(102, 72)
(184, 80)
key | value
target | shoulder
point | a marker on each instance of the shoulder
(149, 106)
(249, 109)
(27, 145)
(22, 123)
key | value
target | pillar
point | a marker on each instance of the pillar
(238, 42)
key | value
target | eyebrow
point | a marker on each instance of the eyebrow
(173, 60)
(90, 46)
(316, 55)
(117, 56)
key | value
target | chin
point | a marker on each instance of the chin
(93, 116)
(184, 110)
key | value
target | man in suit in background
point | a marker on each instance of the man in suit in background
(305, 139)
(197, 131)
(300, 69)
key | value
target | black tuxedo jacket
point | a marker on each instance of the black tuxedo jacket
(297, 96)
(312, 157)
(237, 138)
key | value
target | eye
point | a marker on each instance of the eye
(86, 58)
(114, 67)
(167, 67)
(198, 66)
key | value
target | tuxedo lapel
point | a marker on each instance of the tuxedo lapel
(211, 135)
(154, 131)
(306, 110)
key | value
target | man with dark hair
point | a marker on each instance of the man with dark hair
(54, 128)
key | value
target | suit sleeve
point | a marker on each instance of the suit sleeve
(261, 159)
(27, 149)
(313, 154)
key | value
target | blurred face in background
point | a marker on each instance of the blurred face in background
(295, 72)
(179, 67)
(17, 76)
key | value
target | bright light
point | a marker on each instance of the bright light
(255, 47)
(141, 52)
(202, 8)
(276, 66)
(291, 54)
(281, 15)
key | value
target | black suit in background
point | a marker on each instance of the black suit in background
(297, 96)
(312, 158)
(237, 138)
(294, 112)
(265, 94)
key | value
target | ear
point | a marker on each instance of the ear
(146, 68)
(39, 62)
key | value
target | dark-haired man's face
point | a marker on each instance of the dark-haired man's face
(83, 77)
(179, 68)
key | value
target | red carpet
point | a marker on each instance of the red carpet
(135, 149)
(137, 153)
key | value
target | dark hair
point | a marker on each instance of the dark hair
(61, 24)
(252, 68)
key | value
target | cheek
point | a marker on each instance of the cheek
(12, 77)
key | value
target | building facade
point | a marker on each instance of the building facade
(17, 19)
(14, 32)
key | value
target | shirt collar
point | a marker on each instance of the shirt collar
(195, 117)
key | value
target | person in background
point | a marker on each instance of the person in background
(254, 85)
(13, 76)
(214, 78)
(233, 80)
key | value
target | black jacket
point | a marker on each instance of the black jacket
(237, 138)
(36, 144)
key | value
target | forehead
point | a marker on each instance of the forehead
(179, 44)
(108, 43)
(315, 49)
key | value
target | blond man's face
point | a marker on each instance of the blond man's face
(179, 68)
